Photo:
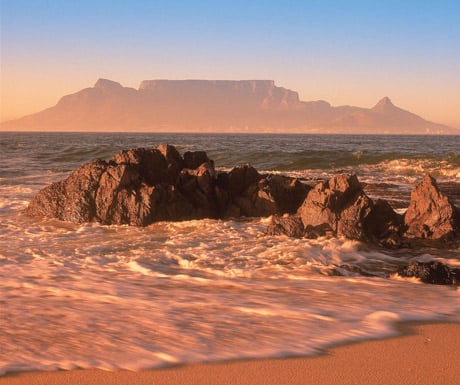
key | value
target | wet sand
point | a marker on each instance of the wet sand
(424, 354)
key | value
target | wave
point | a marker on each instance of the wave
(149, 297)
(203, 290)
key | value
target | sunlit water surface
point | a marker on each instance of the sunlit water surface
(81, 296)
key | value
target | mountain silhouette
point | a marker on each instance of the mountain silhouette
(216, 106)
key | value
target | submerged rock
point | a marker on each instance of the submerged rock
(433, 272)
(290, 225)
(142, 186)
(431, 215)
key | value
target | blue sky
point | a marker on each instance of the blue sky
(345, 52)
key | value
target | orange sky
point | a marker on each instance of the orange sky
(346, 53)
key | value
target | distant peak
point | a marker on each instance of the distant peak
(384, 103)
(106, 84)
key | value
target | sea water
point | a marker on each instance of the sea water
(93, 296)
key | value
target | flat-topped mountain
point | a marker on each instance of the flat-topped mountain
(216, 105)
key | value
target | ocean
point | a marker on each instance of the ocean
(94, 296)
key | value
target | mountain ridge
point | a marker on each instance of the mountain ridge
(194, 105)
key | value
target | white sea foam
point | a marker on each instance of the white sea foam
(148, 297)
(197, 290)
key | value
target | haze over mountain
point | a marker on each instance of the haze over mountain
(219, 106)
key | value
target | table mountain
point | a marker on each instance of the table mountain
(216, 105)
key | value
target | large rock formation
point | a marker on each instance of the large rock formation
(431, 215)
(216, 105)
(142, 186)
(339, 207)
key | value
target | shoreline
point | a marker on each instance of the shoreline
(423, 352)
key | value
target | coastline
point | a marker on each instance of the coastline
(423, 353)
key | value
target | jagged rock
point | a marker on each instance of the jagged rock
(289, 225)
(384, 225)
(288, 193)
(430, 215)
(174, 161)
(252, 194)
(194, 159)
(339, 206)
(72, 199)
(239, 179)
(240, 191)
(142, 186)
(431, 272)
(198, 186)
(322, 230)
(256, 201)
(150, 163)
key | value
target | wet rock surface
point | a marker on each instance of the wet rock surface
(433, 272)
(338, 206)
(290, 225)
(142, 186)
(431, 215)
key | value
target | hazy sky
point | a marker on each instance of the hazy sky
(345, 52)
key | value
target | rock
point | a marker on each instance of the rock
(174, 161)
(352, 218)
(120, 198)
(240, 187)
(288, 193)
(433, 272)
(430, 215)
(253, 195)
(289, 225)
(150, 163)
(136, 187)
(194, 159)
(198, 186)
(383, 225)
(322, 230)
(339, 206)
(72, 199)
(142, 186)
(239, 179)
(256, 201)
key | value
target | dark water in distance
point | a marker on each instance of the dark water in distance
(206, 290)
(267, 152)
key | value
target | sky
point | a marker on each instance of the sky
(345, 52)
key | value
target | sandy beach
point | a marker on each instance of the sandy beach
(423, 354)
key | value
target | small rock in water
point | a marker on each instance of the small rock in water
(433, 272)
